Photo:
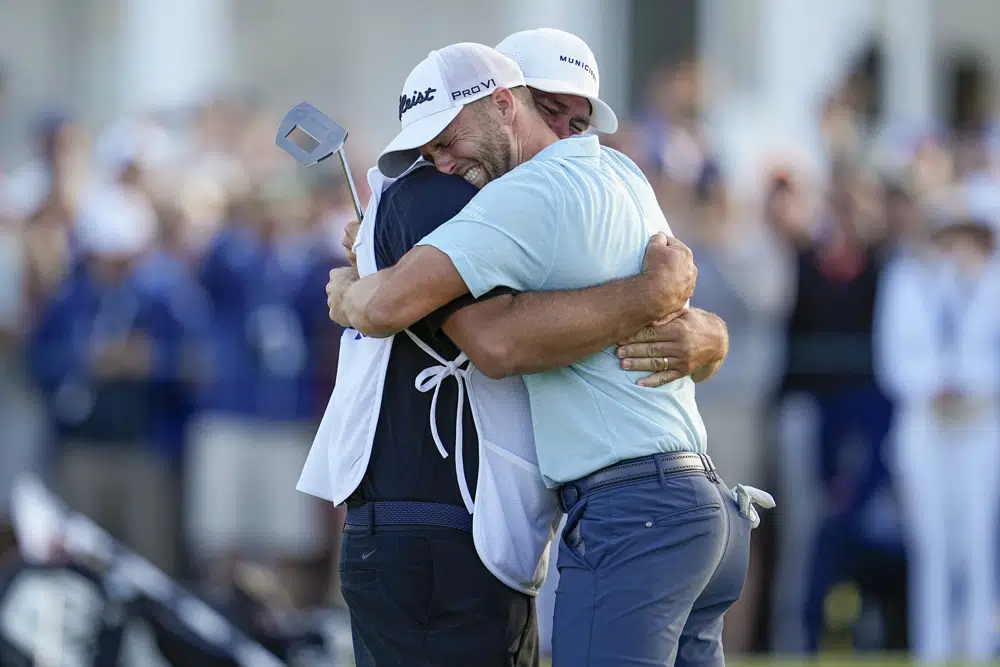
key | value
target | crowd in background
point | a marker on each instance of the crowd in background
(165, 352)
(166, 346)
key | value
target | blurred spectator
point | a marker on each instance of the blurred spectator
(167, 275)
(831, 416)
(39, 204)
(98, 351)
(673, 147)
(23, 435)
(745, 277)
(264, 275)
(48, 197)
(938, 347)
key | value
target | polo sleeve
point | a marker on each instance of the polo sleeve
(507, 236)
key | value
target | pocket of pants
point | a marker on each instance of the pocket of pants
(389, 598)
(572, 540)
(688, 516)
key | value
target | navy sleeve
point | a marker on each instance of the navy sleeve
(410, 209)
(413, 207)
(436, 320)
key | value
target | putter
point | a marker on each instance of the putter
(310, 136)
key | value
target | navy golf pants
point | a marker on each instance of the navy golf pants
(421, 597)
(646, 572)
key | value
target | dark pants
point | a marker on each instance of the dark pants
(646, 572)
(420, 596)
(879, 572)
(853, 428)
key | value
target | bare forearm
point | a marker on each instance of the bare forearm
(392, 299)
(537, 331)
(554, 329)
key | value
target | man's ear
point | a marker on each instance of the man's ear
(504, 101)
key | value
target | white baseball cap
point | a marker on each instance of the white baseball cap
(560, 62)
(435, 92)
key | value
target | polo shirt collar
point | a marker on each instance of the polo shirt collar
(586, 145)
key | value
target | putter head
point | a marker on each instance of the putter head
(309, 135)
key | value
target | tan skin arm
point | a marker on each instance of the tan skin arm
(519, 333)
(525, 333)
(689, 342)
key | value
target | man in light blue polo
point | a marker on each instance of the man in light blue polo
(654, 549)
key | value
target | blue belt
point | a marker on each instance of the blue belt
(658, 466)
(409, 513)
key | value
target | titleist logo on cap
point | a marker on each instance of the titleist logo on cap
(407, 103)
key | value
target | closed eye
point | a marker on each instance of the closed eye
(429, 152)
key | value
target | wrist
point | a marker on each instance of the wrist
(706, 371)
(717, 333)
(655, 298)
(346, 306)
(722, 348)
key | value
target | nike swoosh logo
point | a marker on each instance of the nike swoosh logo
(365, 556)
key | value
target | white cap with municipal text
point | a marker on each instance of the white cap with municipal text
(435, 92)
(560, 62)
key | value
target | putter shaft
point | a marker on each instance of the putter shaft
(350, 182)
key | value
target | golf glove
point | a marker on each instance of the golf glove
(746, 497)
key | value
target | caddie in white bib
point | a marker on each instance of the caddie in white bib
(513, 514)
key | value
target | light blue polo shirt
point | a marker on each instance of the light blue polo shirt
(576, 215)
